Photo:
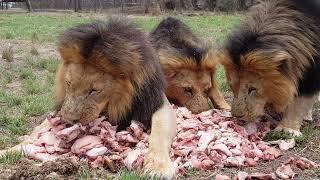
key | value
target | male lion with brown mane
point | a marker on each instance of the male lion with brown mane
(110, 68)
(273, 58)
(189, 66)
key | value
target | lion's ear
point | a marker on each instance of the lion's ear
(285, 66)
(284, 62)
(71, 52)
(76, 44)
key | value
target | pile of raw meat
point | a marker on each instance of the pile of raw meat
(283, 172)
(204, 141)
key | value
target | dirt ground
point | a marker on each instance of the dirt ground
(68, 169)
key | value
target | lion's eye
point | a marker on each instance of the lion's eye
(251, 90)
(188, 91)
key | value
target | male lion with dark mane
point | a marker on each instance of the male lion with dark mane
(273, 58)
(189, 66)
(111, 69)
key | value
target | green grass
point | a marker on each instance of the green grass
(213, 27)
(221, 79)
(26, 73)
(41, 64)
(307, 132)
(44, 27)
(37, 105)
(11, 158)
(10, 99)
(84, 173)
(37, 27)
(276, 135)
(127, 175)
(32, 98)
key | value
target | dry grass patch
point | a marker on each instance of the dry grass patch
(8, 54)
(34, 51)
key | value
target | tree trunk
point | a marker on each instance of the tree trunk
(29, 6)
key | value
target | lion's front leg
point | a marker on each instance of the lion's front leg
(308, 116)
(294, 115)
(157, 162)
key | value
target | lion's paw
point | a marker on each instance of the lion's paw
(292, 132)
(158, 167)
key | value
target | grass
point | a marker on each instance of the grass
(8, 54)
(127, 175)
(308, 131)
(10, 99)
(38, 27)
(11, 158)
(221, 79)
(42, 64)
(84, 173)
(26, 73)
(32, 97)
(34, 51)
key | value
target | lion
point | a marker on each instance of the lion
(273, 59)
(111, 69)
(189, 66)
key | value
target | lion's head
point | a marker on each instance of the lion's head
(88, 90)
(188, 63)
(261, 78)
(266, 57)
(249, 98)
(105, 66)
(189, 88)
